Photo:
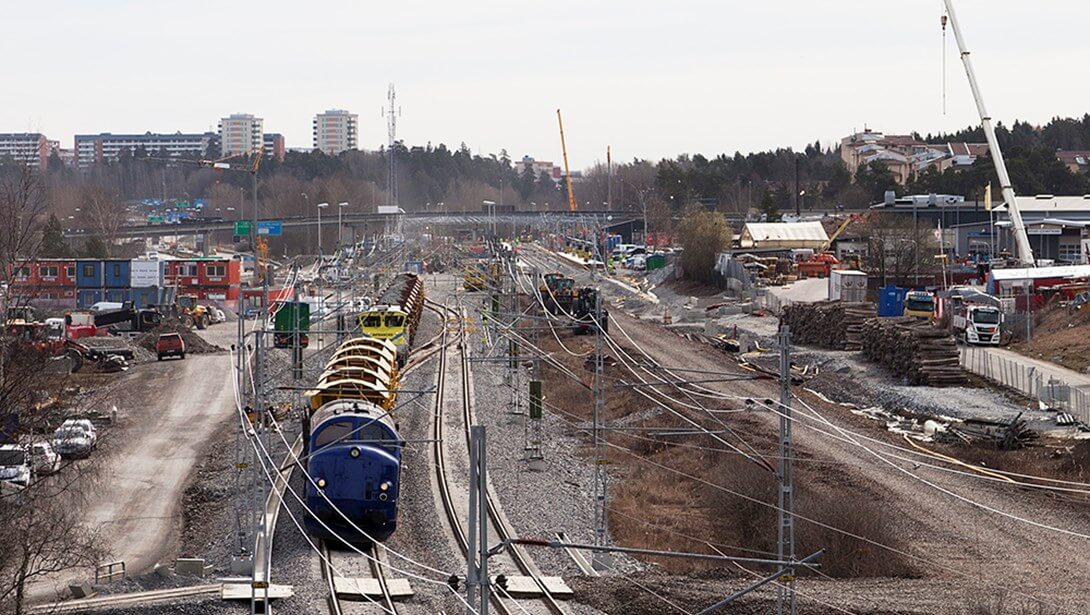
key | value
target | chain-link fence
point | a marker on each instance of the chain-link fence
(1028, 379)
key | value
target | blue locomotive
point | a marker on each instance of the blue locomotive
(354, 461)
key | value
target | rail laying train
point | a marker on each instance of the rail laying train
(396, 313)
(353, 448)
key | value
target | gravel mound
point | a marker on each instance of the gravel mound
(193, 342)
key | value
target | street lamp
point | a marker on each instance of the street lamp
(340, 217)
(321, 206)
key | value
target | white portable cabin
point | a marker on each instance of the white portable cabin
(847, 285)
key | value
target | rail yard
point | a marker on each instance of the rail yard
(394, 373)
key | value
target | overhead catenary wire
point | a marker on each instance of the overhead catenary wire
(255, 442)
(893, 549)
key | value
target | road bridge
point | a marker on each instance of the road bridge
(372, 220)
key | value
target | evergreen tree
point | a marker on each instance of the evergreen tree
(54, 245)
(768, 207)
(95, 248)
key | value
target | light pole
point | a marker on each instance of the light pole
(306, 206)
(340, 218)
(321, 206)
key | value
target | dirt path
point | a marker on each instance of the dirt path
(168, 412)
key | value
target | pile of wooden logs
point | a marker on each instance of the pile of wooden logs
(828, 324)
(905, 345)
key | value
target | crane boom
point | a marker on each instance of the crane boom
(1025, 252)
(567, 174)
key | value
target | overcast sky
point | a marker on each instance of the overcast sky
(652, 79)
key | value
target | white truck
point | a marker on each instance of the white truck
(978, 324)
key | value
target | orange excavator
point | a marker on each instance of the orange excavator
(822, 261)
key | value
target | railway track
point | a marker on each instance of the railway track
(336, 563)
(518, 559)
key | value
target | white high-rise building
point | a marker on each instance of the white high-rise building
(336, 131)
(241, 133)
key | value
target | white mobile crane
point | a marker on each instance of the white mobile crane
(1025, 252)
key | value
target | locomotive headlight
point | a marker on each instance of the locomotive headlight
(355, 452)
(384, 486)
(320, 482)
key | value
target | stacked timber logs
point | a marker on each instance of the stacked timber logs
(828, 324)
(912, 347)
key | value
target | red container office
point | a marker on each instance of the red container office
(212, 279)
(46, 279)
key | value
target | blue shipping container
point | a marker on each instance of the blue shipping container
(117, 273)
(891, 300)
(86, 297)
(118, 295)
(145, 297)
(89, 274)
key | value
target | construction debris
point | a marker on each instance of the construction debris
(912, 347)
(828, 324)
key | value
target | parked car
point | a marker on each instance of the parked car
(43, 459)
(170, 345)
(86, 425)
(14, 464)
(71, 442)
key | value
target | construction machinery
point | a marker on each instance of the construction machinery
(1021, 239)
(584, 306)
(821, 262)
(572, 206)
(558, 293)
(186, 309)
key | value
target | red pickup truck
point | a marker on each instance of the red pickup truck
(170, 345)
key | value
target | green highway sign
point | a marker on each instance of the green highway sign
(242, 227)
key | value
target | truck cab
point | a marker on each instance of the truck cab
(979, 324)
(920, 304)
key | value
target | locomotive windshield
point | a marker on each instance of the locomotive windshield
(372, 320)
(334, 432)
(395, 320)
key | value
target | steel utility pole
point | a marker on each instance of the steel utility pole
(609, 178)
(785, 591)
(601, 559)
(477, 572)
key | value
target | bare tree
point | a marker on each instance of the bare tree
(39, 525)
(105, 212)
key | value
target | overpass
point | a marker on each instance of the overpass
(465, 219)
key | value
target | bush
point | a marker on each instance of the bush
(703, 235)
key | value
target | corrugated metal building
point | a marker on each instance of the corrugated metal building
(784, 235)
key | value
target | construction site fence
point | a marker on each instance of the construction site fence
(1028, 380)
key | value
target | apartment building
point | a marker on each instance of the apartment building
(108, 147)
(336, 131)
(29, 148)
(241, 133)
(274, 145)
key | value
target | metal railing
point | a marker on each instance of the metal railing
(107, 572)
